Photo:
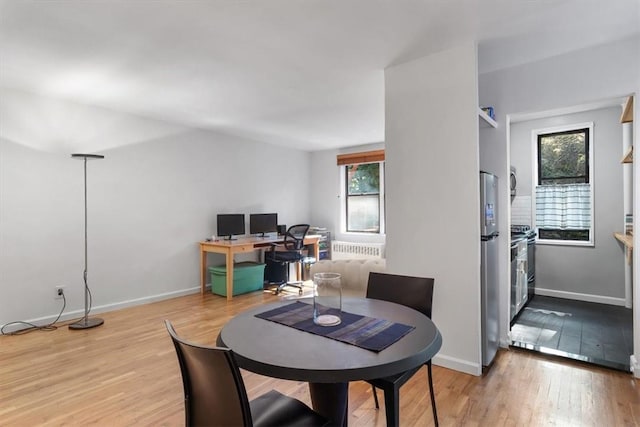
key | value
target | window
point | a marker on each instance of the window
(363, 180)
(563, 193)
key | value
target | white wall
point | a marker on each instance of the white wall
(577, 78)
(149, 205)
(597, 272)
(433, 191)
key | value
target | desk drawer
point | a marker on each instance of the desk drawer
(243, 248)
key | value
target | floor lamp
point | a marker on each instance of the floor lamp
(85, 322)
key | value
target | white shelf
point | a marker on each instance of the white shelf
(486, 121)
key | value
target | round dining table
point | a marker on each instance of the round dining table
(278, 351)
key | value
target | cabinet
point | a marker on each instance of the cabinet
(519, 282)
(324, 244)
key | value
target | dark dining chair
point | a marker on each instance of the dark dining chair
(215, 395)
(290, 250)
(416, 293)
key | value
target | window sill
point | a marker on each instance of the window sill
(360, 237)
(363, 233)
(575, 243)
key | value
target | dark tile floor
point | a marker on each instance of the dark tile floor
(597, 333)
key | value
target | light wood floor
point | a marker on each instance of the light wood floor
(125, 373)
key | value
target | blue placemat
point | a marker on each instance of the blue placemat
(362, 331)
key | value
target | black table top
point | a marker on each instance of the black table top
(279, 351)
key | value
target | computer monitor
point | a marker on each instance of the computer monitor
(230, 225)
(263, 223)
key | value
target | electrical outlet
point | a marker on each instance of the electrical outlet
(59, 292)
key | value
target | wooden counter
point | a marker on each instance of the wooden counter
(627, 241)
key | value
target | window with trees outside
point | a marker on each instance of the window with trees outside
(563, 193)
(363, 191)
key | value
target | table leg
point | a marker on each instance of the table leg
(332, 401)
(229, 263)
(203, 271)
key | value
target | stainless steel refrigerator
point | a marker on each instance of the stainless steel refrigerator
(489, 266)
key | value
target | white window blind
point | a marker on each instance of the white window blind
(563, 206)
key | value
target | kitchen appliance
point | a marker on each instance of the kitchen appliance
(525, 231)
(531, 263)
(519, 295)
(489, 266)
(513, 181)
(514, 280)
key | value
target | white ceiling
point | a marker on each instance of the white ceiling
(302, 73)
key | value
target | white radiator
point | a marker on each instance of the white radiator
(351, 250)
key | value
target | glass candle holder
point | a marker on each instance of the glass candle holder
(327, 299)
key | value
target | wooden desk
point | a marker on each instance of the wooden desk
(278, 351)
(243, 245)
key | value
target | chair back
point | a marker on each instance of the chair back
(294, 238)
(214, 393)
(413, 292)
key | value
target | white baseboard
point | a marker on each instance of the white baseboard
(506, 342)
(634, 365)
(580, 297)
(457, 364)
(40, 321)
(144, 300)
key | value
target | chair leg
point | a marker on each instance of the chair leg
(433, 396)
(288, 282)
(375, 396)
(392, 406)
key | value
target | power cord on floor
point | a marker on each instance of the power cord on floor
(31, 327)
(88, 290)
(50, 326)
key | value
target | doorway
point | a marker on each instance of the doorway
(578, 307)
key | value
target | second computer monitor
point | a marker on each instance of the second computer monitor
(263, 223)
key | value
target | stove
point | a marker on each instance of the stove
(519, 232)
(520, 229)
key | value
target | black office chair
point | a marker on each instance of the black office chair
(413, 292)
(290, 251)
(214, 392)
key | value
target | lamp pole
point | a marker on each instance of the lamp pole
(86, 322)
